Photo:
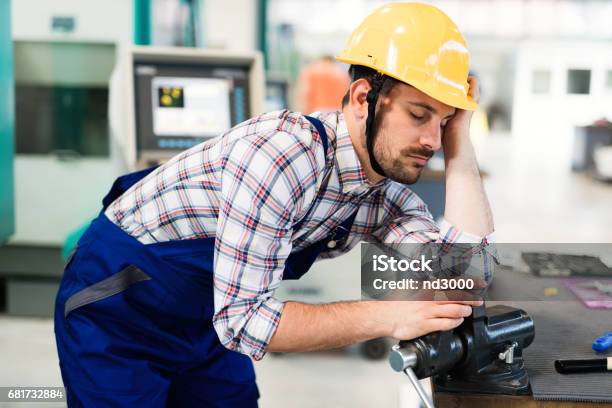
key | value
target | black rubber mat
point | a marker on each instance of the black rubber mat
(566, 330)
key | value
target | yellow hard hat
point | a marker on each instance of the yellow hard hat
(417, 44)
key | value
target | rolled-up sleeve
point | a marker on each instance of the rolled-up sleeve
(408, 220)
(264, 184)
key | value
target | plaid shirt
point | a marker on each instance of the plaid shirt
(248, 188)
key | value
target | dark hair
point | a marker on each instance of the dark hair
(359, 71)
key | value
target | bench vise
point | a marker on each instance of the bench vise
(482, 355)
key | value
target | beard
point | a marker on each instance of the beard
(396, 164)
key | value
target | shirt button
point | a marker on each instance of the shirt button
(331, 244)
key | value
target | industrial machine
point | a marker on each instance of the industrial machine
(277, 92)
(160, 101)
(482, 355)
(61, 165)
(165, 100)
(7, 219)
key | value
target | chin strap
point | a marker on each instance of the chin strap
(371, 98)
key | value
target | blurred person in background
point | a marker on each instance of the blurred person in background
(170, 291)
(321, 86)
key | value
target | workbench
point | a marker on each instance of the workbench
(446, 400)
(565, 329)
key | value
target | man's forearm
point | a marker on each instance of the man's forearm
(306, 327)
(466, 206)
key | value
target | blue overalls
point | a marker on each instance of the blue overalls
(133, 322)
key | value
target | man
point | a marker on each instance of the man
(321, 86)
(172, 287)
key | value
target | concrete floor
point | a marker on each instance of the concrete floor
(535, 198)
(337, 379)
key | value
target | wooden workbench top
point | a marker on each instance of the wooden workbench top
(447, 400)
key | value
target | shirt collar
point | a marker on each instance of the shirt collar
(350, 171)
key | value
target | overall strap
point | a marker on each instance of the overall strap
(298, 263)
(321, 129)
(342, 231)
(323, 135)
(123, 183)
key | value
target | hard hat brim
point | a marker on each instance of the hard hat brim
(456, 101)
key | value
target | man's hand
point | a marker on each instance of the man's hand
(412, 319)
(460, 122)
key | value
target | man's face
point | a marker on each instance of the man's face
(408, 129)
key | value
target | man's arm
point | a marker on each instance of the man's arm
(467, 207)
(266, 180)
(257, 205)
(305, 327)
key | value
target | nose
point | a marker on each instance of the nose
(432, 136)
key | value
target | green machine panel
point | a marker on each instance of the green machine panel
(7, 115)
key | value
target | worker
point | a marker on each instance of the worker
(321, 86)
(169, 295)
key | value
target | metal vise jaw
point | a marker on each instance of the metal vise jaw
(483, 355)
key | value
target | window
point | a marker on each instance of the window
(55, 119)
(61, 98)
(579, 81)
(540, 81)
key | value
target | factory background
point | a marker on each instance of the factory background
(544, 144)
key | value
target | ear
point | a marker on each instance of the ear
(357, 100)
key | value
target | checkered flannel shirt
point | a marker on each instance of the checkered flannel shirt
(248, 188)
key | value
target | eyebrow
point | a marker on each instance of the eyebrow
(429, 108)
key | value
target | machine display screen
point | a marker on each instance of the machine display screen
(198, 107)
(179, 105)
